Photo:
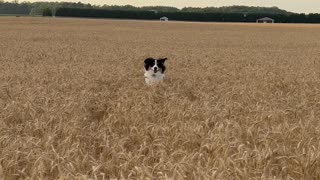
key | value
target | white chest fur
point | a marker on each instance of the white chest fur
(153, 78)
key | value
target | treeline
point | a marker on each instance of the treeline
(187, 16)
(37, 8)
(103, 13)
(208, 14)
(14, 8)
(237, 9)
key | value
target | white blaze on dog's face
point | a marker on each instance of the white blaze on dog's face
(155, 67)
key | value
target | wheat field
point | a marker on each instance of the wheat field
(240, 101)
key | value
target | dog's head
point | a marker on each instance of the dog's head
(155, 65)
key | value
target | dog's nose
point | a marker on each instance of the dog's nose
(155, 69)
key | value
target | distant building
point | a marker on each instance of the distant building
(164, 19)
(154, 11)
(265, 20)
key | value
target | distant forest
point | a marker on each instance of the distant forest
(208, 14)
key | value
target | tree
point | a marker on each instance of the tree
(47, 12)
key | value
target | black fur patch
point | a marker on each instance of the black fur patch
(149, 62)
(160, 63)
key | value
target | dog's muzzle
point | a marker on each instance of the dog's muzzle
(155, 70)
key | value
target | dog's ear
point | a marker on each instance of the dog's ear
(162, 59)
(148, 60)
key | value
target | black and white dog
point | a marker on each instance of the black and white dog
(154, 70)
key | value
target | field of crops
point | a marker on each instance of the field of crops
(240, 101)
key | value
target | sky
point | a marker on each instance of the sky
(299, 6)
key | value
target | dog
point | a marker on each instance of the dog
(154, 70)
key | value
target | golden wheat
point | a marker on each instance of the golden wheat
(240, 101)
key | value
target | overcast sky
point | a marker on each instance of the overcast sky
(303, 6)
